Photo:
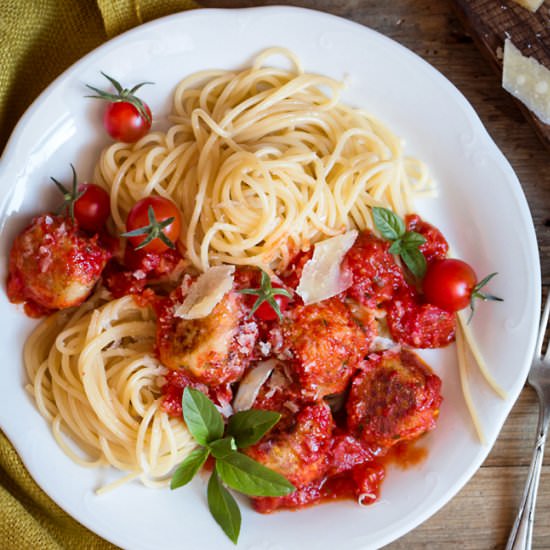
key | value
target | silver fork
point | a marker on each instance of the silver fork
(539, 379)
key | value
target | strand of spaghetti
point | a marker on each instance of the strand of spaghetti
(462, 367)
(285, 52)
(476, 353)
(117, 483)
(59, 437)
(144, 433)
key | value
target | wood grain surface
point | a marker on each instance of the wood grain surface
(480, 516)
(491, 22)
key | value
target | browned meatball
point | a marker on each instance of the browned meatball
(53, 266)
(395, 398)
(324, 345)
(300, 452)
(215, 349)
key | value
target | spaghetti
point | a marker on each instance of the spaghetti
(262, 163)
(94, 376)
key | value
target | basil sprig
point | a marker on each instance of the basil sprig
(232, 468)
(404, 243)
(248, 427)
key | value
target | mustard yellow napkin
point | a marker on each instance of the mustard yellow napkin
(39, 39)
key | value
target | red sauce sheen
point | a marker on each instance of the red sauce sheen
(435, 247)
(347, 407)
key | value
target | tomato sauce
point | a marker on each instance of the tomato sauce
(436, 246)
(323, 353)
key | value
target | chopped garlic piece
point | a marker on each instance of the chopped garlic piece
(321, 277)
(206, 292)
(532, 5)
(528, 80)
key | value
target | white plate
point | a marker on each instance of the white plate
(481, 209)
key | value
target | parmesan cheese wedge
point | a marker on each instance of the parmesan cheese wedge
(528, 80)
(532, 5)
(250, 385)
(206, 292)
(321, 277)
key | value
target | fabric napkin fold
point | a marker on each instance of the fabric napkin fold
(39, 39)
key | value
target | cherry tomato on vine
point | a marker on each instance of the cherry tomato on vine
(124, 122)
(87, 204)
(453, 285)
(269, 301)
(127, 118)
(266, 312)
(153, 224)
(92, 207)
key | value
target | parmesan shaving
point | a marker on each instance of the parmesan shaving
(527, 80)
(322, 277)
(250, 385)
(531, 5)
(206, 292)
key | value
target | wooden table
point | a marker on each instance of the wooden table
(480, 516)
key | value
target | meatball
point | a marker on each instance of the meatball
(376, 276)
(395, 398)
(417, 324)
(53, 266)
(300, 453)
(214, 349)
(324, 345)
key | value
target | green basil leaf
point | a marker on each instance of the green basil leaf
(412, 239)
(390, 225)
(224, 508)
(186, 471)
(222, 447)
(201, 416)
(248, 427)
(396, 247)
(415, 261)
(243, 474)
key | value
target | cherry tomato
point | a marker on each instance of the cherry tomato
(138, 218)
(124, 122)
(266, 311)
(92, 208)
(449, 284)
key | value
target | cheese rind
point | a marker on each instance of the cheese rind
(532, 5)
(526, 79)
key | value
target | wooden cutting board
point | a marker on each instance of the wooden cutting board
(490, 22)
